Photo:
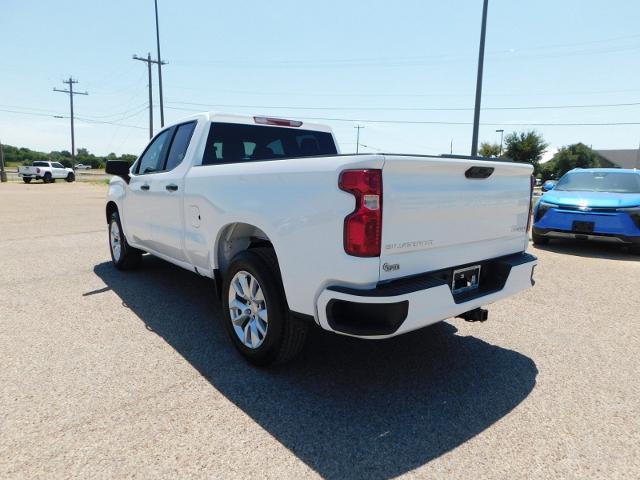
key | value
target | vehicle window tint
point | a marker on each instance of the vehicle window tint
(57, 165)
(151, 160)
(40, 164)
(179, 145)
(231, 142)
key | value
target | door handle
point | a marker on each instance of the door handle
(172, 187)
(144, 187)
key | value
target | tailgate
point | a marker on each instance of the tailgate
(27, 170)
(435, 217)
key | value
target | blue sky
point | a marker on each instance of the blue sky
(402, 61)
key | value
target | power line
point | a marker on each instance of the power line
(421, 60)
(418, 109)
(436, 122)
(80, 119)
(71, 93)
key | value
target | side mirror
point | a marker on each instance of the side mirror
(119, 168)
(548, 186)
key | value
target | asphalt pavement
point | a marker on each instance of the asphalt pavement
(109, 374)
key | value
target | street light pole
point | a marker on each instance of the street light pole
(476, 113)
(501, 131)
(160, 63)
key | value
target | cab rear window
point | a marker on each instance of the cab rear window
(233, 143)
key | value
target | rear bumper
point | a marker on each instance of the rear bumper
(410, 303)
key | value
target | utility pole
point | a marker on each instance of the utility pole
(160, 63)
(501, 132)
(451, 148)
(476, 113)
(358, 127)
(3, 174)
(148, 61)
(71, 93)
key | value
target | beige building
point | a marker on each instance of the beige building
(622, 158)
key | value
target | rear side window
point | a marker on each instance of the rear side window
(232, 143)
(179, 145)
(152, 159)
(40, 164)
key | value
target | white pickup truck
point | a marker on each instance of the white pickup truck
(295, 234)
(46, 171)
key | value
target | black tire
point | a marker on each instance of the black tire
(70, 177)
(128, 257)
(538, 239)
(26, 180)
(285, 334)
(47, 178)
(634, 249)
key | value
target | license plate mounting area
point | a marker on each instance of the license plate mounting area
(465, 279)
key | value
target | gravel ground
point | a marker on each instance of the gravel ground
(108, 374)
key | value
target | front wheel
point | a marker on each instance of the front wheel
(70, 177)
(255, 310)
(124, 256)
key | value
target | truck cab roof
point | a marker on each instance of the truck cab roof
(262, 120)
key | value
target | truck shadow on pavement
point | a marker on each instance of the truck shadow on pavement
(347, 408)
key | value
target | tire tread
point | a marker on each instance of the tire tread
(295, 331)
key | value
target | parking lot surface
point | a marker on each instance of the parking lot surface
(119, 374)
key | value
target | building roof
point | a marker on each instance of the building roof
(625, 158)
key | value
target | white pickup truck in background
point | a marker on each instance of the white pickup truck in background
(295, 234)
(46, 171)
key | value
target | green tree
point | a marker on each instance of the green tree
(489, 149)
(525, 147)
(128, 158)
(573, 156)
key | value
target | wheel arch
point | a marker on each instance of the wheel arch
(110, 209)
(236, 237)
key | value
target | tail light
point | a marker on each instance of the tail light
(37, 170)
(532, 184)
(363, 227)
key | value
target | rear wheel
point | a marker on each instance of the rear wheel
(255, 310)
(124, 256)
(47, 178)
(539, 239)
(70, 177)
(26, 180)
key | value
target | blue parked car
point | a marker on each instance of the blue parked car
(591, 204)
